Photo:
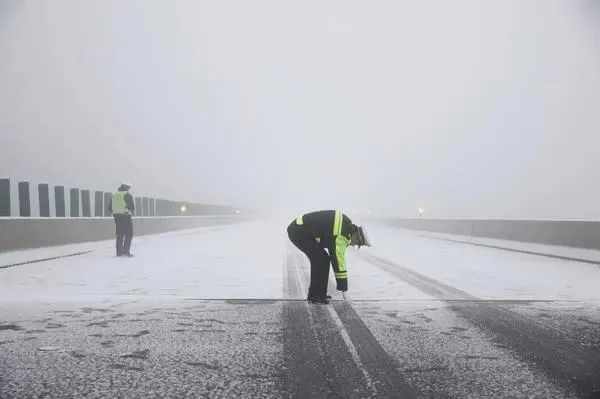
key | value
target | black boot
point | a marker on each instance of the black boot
(318, 299)
(310, 296)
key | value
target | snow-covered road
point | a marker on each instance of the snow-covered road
(218, 312)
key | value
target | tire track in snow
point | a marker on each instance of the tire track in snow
(317, 362)
(567, 361)
(329, 351)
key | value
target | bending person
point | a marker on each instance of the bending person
(330, 230)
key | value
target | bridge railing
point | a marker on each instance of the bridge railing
(57, 215)
(59, 201)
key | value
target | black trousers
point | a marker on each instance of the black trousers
(124, 232)
(319, 259)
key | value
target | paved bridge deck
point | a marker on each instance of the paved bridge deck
(219, 312)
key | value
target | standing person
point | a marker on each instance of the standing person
(314, 232)
(122, 208)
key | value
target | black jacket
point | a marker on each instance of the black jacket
(322, 226)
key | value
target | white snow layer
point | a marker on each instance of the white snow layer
(248, 261)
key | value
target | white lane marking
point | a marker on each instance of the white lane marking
(301, 273)
(338, 323)
(352, 348)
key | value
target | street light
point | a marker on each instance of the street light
(421, 212)
(183, 209)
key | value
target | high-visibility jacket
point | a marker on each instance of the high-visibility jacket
(122, 203)
(331, 229)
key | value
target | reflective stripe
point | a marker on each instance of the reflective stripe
(341, 275)
(341, 243)
(337, 223)
(299, 220)
(119, 206)
(318, 239)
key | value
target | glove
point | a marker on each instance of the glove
(342, 285)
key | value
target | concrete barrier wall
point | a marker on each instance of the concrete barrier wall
(569, 233)
(23, 233)
(434, 225)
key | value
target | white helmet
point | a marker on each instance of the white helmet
(363, 238)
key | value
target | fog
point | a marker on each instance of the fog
(463, 108)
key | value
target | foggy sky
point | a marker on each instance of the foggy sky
(465, 108)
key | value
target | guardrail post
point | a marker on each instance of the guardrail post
(44, 196)
(74, 203)
(24, 199)
(138, 206)
(98, 200)
(85, 204)
(152, 208)
(107, 201)
(4, 197)
(59, 200)
(145, 203)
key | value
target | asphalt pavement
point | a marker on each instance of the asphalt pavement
(145, 334)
